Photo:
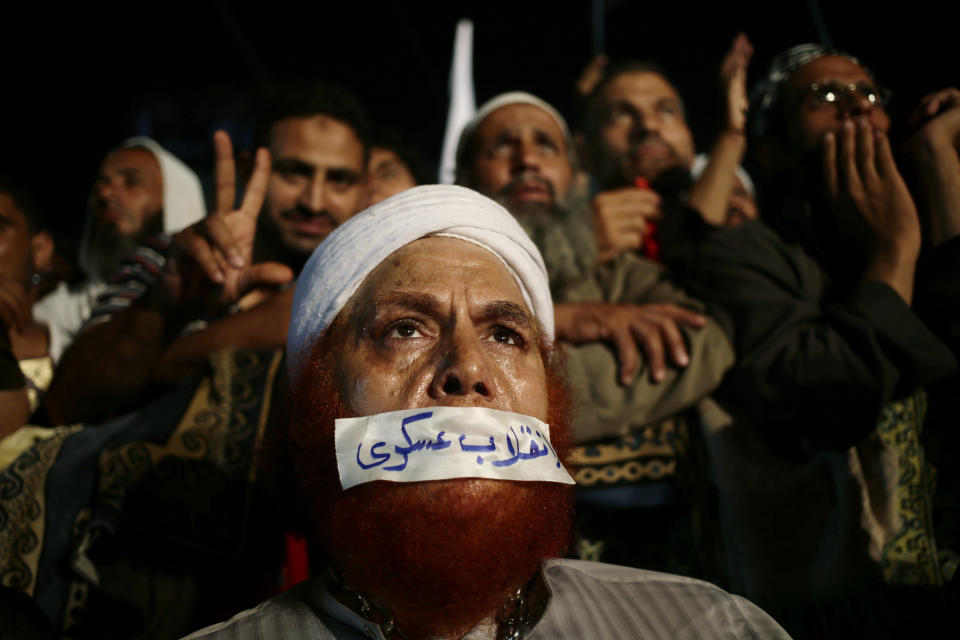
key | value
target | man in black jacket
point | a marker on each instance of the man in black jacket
(830, 524)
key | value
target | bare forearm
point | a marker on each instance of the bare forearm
(712, 191)
(107, 366)
(261, 327)
(938, 170)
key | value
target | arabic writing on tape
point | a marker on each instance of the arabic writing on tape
(437, 443)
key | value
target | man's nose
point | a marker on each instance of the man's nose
(105, 189)
(644, 123)
(526, 157)
(857, 104)
(313, 193)
(463, 372)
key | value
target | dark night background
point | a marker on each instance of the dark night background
(77, 79)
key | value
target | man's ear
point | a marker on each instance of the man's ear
(41, 246)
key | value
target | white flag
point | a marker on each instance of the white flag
(463, 104)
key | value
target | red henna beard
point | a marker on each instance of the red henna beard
(442, 555)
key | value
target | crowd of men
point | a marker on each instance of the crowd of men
(733, 391)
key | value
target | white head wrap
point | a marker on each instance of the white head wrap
(342, 262)
(182, 194)
(183, 202)
(503, 100)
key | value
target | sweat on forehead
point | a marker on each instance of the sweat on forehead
(354, 250)
(427, 279)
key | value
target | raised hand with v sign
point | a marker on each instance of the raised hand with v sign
(211, 262)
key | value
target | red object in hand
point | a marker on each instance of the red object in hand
(650, 245)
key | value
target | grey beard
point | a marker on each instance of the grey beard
(563, 232)
(107, 252)
(104, 250)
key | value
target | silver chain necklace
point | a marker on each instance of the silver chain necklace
(514, 618)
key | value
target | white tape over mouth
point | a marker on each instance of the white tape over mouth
(438, 443)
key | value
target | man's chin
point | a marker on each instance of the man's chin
(455, 548)
(304, 241)
(649, 169)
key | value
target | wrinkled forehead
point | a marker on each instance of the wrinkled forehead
(518, 116)
(334, 140)
(438, 268)
(383, 155)
(638, 85)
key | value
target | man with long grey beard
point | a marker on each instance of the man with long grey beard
(640, 352)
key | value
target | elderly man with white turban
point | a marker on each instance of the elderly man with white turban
(518, 150)
(640, 352)
(428, 430)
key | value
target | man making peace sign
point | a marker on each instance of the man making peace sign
(233, 267)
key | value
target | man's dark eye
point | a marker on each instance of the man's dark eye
(618, 115)
(404, 330)
(667, 109)
(342, 179)
(501, 147)
(291, 175)
(506, 336)
(547, 145)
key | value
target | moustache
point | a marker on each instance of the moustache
(301, 212)
(524, 180)
(651, 139)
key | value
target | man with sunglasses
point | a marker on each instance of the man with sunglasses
(830, 528)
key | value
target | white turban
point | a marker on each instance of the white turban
(342, 262)
(182, 195)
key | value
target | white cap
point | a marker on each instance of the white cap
(341, 263)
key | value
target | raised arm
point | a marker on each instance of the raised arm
(933, 151)
(712, 191)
